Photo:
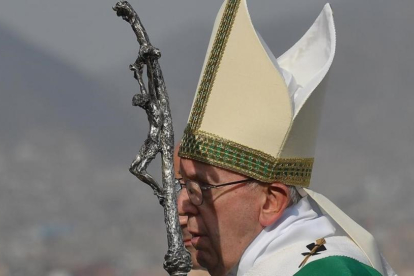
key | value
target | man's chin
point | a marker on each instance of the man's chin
(202, 251)
(203, 259)
(207, 260)
(193, 253)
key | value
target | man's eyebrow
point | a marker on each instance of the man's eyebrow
(202, 181)
(198, 178)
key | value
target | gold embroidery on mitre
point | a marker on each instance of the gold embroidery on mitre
(213, 63)
(211, 149)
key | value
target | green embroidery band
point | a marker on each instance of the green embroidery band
(213, 63)
(216, 151)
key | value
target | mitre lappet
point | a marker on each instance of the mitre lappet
(258, 116)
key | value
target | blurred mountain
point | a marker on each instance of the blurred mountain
(66, 196)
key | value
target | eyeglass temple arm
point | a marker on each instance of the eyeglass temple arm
(226, 184)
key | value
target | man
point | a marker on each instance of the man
(247, 156)
(197, 270)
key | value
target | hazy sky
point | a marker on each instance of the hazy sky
(69, 131)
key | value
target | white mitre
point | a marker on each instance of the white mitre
(259, 116)
(262, 132)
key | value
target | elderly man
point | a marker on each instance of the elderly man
(247, 156)
(197, 270)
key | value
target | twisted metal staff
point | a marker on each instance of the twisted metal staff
(154, 100)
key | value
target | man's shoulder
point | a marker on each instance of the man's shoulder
(337, 252)
(337, 265)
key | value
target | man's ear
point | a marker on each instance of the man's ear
(274, 204)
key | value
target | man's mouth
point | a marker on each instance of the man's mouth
(186, 237)
(194, 233)
(187, 243)
(195, 240)
(187, 240)
(196, 237)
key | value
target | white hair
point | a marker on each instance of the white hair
(294, 195)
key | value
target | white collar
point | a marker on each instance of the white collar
(298, 222)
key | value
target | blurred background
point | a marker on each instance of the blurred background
(69, 206)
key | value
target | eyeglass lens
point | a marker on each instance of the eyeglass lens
(194, 193)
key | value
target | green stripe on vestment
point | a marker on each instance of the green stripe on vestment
(337, 266)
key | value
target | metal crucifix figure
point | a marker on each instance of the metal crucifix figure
(154, 100)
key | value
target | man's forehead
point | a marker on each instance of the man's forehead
(191, 168)
(197, 170)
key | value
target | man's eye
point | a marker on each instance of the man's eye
(203, 185)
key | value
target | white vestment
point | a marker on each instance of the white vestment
(278, 249)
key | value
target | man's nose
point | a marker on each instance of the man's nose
(185, 207)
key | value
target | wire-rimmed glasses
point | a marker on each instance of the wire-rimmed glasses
(195, 190)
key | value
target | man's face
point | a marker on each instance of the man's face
(227, 221)
(183, 216)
